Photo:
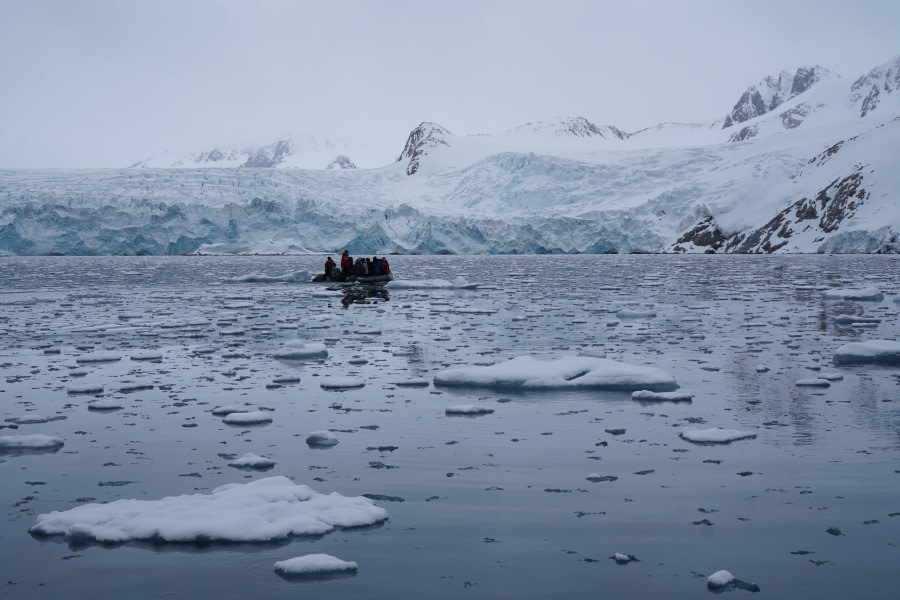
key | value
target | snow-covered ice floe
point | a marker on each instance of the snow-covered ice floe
(632, 313)
(879, 352)
(295, 277)
(252, 461)
(812, 382)
(86, 388)
(28, 419)
(459, 283)
(573, 372)
(221, 411)
(415, 382)
(256, 417)
(98, 357)
(104, 404)
(322, 438)
(468, 409)
(856, 320)
(868, 294)
(715, 435)
(723, 580)
(314, 564)
(298, 350)
(35, 441)
(342, 383)
(647, 395)
(146, 355)
(259, 511)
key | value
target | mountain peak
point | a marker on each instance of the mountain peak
(341, 162)
(426, 136)
(573, 127)
(773, 91)
(869, 88)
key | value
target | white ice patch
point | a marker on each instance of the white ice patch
(812, 382)
(631, 313)
(322, 438)
(35, 441)
(295, 277)
(314, 564)
(252, 461)
(884, 352)
(415, 382)
(98, 357)
(256, 417)
(719, 579)
(299, 350)
(146, 355)
(574, 372)
(715, 435)
(342, 383)
(86, 388)
(458, 283)
(468, 409)
(104, 404)
(662, 396)
(221, 411)
(868, 294)
(856, 320)
(28, 420)
(259, 511)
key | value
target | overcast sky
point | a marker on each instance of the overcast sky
(106, 83)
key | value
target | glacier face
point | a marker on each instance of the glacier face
(811, 176)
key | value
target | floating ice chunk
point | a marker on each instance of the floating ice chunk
(719, 579)
(252, 461)
(286, 379)
(855, 320)
(343, 383)
(715, 435)
(256, 417)
(574, 372)
(78, 372)
(884, 352)
(98, 357)
(314, 564)
(415, 382)
(299, 349)
(135, 386)
(458, 283)
(631, 313)
(232, 331)
(468, 409)
(105, 404)
(35, 441)
(623, 559)
(221, 411)
(662, 396)
(266, 509)
(146, 355)
(86, 388)
(322, 438)
(762, 369)
(830, 376)
(868, 294)
(813, 382)
(295, 277)
(28, 419)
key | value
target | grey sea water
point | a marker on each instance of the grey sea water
(496, 506)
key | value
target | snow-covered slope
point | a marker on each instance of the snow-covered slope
(816, 172)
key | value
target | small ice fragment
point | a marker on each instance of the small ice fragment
(87, 388)
(252, 461)
(719, 579)
(300, 350)
(415, 382)
(342, 383)
(257, 417)
(468, 409)
(314, 564)
(35, 441)
(28, 419)
(221, 411)
(104, 404)
(662, 396)
(98, 357)
(762, 369)
(813, 382)
(629, 313)
(146, 355)
(322, 438)
(715, 435)
(866, 294)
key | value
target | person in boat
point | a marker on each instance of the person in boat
(329, 267)
(346, 264)
(385, 267)
(375, 266)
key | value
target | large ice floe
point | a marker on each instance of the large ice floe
(266, 509)
(459, 283)
(881, 352)
(715, 435)
(573, 372)
(301, 350)
(35, 441)
(295, 277)
(868, 294)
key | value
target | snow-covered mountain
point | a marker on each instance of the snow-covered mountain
(814, 172)
(292, 151)
(773, 91)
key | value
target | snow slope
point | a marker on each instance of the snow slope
(816, 172)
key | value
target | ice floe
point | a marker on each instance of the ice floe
(856, 320)
(458, 283)
(295, 277)
(867, 294)
(468, 409)
(633, 313)
(86, 388)
(723, 580)
(146, 355)
(35, 441)
(252, 461)
(221, 411)
(415, 382)
(98, 357)
(299, 349)
(266, 509)
(104, 404)
(342, 383)
(574, 372)
(647, 395)
(812, 382)
(28, 419)
(884, 352)
(314, 564)
(323, 438)
(715, 435)
(256, 417)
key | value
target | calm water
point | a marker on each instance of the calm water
(493, 507)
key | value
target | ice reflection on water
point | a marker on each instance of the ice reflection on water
(494, 506)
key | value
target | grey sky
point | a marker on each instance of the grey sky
(105, 83)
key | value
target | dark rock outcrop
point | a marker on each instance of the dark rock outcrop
(773, 91)
(422, 139)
